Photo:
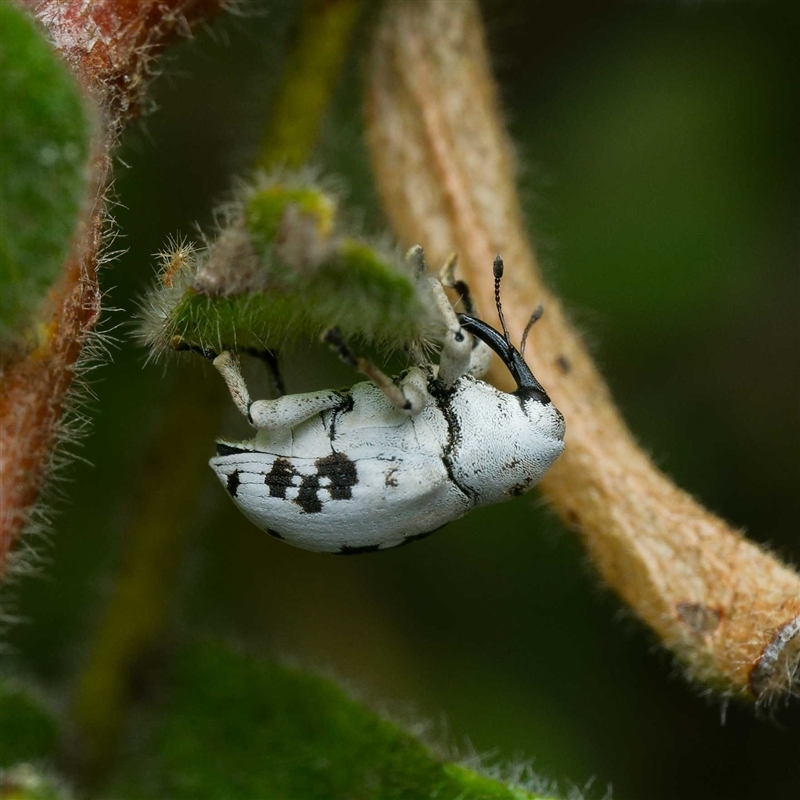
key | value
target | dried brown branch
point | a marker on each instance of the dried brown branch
(110, 45)
(445, 170)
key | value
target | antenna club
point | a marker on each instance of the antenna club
(498, 267)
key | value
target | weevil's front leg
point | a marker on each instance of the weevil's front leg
(481, 355)
(285, 412)
(456, 343)
(409, 396)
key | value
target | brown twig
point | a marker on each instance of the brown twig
(110, 45)
(445, 170)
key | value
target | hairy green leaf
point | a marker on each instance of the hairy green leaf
(280, 268)
(44, 144)
(240, 728)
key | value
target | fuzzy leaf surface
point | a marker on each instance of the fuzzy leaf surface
(240, 728)
(44, 144)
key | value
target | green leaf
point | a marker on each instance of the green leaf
(237, 727)
(279, 269)
(28, 729)
(44, 144)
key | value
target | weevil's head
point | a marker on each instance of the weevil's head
(534, 399)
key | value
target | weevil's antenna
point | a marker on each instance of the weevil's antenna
(497, 269)
(537, 314)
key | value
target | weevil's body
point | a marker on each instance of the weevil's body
(365, 476)
(391, 461)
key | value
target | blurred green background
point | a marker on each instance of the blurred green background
(659, 163)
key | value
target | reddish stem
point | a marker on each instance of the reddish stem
(110, 46)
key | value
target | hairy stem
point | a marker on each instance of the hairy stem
(445, 169)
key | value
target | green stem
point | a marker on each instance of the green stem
(312, 70)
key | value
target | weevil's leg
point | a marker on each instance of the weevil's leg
(284, 412)
(181, 345)
(409, 396)
(270, 358)
(456, 344)
(228, 366)
(447, 277)
(416, 259)
(480, 358)
(291, 410)
(481, 355)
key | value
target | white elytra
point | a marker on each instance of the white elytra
(389, 462)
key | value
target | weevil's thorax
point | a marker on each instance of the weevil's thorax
(501, 444)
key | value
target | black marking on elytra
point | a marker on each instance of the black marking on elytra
(273, 533)
(308, 496)
(443, 396)
(389, 479)
(342, 473)
(337, 468)
(345, 407)
(564, 364)
(355, 550)
(280, 477)
(233, 483)
(228, 450)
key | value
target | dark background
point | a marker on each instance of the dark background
(659, 162)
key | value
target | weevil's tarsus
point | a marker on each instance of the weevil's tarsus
(416, 258)
(180, 345)
(449, 280)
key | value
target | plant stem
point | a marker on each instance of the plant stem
(312, 69)
(445, 169)
(110, 46)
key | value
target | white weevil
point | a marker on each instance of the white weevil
(389, 461)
